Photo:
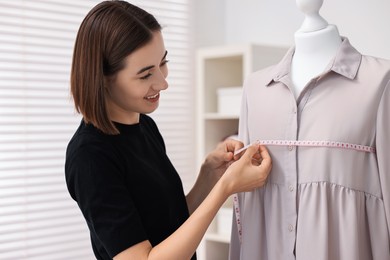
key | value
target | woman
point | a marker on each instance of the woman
(116, 165)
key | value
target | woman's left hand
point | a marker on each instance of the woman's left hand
(220, 158)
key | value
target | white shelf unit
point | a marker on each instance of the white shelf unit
(223, 66)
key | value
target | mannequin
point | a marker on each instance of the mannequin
(320, 202)
(316, 44)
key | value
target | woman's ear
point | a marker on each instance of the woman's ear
(108, 82)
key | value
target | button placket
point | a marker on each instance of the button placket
(291, 173)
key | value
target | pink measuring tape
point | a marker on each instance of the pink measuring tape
(292, 143)
(331, 144)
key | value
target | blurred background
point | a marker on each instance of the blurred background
(38, 219)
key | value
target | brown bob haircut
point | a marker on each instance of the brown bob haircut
(108, 34)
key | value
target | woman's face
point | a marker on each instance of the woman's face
(136, 88)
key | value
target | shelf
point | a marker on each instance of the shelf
(222, 238)
(217, 116)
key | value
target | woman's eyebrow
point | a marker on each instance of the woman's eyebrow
(151, 66)
(145, 69)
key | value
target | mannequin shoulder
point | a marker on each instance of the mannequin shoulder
(376, 65)
(263, 75)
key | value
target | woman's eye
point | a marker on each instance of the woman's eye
(146, 76)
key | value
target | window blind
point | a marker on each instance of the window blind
(38, 219)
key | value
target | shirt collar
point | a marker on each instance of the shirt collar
(346, 63)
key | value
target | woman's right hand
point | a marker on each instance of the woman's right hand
(249, 172)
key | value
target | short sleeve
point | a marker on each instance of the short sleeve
(94, 181)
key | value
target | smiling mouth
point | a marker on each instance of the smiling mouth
(153, 97)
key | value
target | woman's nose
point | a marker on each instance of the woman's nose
(161, 82)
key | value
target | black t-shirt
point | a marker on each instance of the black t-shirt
(125, 186)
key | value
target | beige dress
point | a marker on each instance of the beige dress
(320, 203)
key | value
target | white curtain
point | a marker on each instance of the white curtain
(38, 219)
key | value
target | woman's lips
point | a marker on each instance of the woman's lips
(153, 98)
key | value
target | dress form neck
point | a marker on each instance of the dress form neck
(316, 44)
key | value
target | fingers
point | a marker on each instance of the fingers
(252, 170)
(228, 156)
(232, 145)
(229, 146)
(266, 158)
(223, 152)
(257, 152)
(259, 156)
(251, 151)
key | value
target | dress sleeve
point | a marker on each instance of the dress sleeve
(383, 150)
(243, 136)
(243, 133)
(95, 182)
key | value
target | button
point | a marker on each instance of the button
(290, 228)
(290, 147)
(294, 110)
(291, 188)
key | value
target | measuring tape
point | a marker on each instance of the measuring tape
(331, 144)
(292, 143)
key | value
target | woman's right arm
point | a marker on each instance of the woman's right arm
(241, 176)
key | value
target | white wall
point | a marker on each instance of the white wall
(365, 23)
(262, 21)
(209, 22)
